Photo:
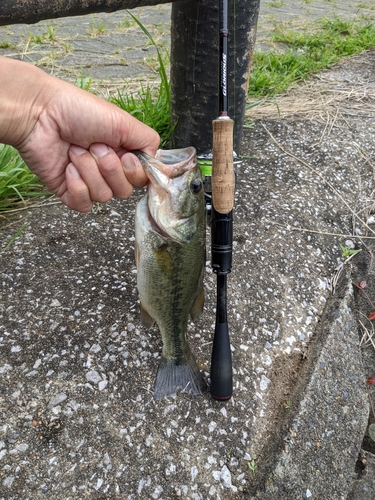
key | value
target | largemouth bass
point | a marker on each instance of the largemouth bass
(170, 251)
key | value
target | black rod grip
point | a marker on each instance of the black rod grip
(221, 242)
(221, 362)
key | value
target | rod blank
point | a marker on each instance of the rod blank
(221, 223)
(221, 362)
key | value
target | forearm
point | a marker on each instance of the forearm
(24, 90)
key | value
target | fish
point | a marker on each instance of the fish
(170, 254)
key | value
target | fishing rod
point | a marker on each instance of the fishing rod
(223, 181)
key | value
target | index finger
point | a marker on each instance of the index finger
(137, 135)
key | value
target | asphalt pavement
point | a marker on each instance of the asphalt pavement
(76, 366)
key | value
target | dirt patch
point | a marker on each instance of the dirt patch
(348, 88)
(363, 276)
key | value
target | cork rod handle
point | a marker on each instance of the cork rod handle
(222, 165)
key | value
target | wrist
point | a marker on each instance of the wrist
(24, 92)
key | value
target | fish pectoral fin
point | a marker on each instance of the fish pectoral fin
(164, 260)
(197, 308)
(146, 319)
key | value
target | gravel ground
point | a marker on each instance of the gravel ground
(78, 418)
(77, 368)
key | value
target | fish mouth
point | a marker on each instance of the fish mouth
(166, 172)
(169, 162)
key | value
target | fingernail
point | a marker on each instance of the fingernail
(73, 171)
(77, 150)
(130, 161)
(99, 149)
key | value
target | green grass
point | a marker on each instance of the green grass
(365, 5)
(13, 238)
(148, 108)
(125, 24)
(97, 28)
(83, 83)
(276, 3)
(48, 35)
(306, 53)
(17, 183)
(7, 45)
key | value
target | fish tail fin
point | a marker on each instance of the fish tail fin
(178, 374)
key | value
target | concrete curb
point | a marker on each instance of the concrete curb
(310, 463)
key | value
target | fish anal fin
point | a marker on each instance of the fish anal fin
(147, 320)
(197, 308)
(175, 375)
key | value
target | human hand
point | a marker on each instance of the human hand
(75, 142)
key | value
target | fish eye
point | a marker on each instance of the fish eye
(196, 186)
